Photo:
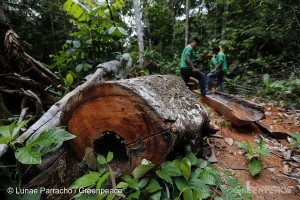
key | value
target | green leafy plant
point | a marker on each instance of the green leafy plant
(34, 148)
(294, 140)
(98, 34)
(182, 178)
(97, 180)
(254, 155)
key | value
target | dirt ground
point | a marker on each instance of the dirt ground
(280, 177)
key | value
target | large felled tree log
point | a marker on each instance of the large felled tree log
(135, 118)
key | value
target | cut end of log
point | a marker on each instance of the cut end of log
(110, 118)
(136, 119)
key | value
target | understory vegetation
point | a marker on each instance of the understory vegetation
(259, 37)
(182, 178)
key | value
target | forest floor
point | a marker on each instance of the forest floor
(280, 176)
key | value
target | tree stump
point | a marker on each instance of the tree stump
(140, 118)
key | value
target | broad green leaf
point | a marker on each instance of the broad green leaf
(6, 133)
(133, 183)
(201, 163)
(28, 155)
(207, 178)
(78, 68)
(49, 139)
(177, 163)
(196, 181)
(78, 13)
(119, 3)
(205, 192)
(126, 178)
(212, 170)
(164, 176)
(134, 195)
(187, 194)
(85, 181)
(186, 168)
(153, 186)
(171, 169)
(249, 156)
(110, 156)
(192, 158)
(228, 172)
(155, 196)
(181, 184)
(142, 169)
(117, 31)
(102, 180)
(196, 194)
(69, 79)
(10, 132)
(242, 145)
(122, 185)
(111, 30)
(101, 159)
(67, 5)
(73, 9)
(255, 166)
(143, 183)
(262, 152)
(122, 31)
(294, 135)
(49, 136)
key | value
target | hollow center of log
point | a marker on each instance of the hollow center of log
(110, 141)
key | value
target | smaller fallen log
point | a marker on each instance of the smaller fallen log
(140, 118)
(105, 71)
(277, 123)
(240, 112)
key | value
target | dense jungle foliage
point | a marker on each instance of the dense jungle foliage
(260, 38)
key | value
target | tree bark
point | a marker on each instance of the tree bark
(139, 29)
(187, 13)
(141, 118)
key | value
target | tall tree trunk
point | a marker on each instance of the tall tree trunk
(187, 13)
(139, 29)
(147, 21)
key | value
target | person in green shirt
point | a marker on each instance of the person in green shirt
(218, 71)
(212, 64)
(187, 68)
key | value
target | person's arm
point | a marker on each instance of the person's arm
(220, 61)
(217, 67)
(189, 62)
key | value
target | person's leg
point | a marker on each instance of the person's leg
(209, 81)
(221, 80)
(211, 78)
(200, 76)
(194, 82)
(186, 74)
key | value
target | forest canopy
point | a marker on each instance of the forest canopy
(260, 38)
